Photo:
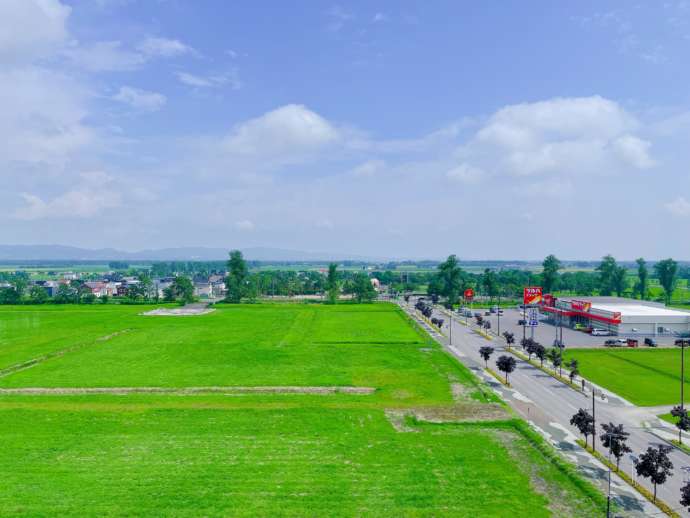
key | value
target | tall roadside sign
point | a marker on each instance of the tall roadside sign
(531, 296)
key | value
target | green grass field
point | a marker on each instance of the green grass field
(258, 454)
(646, 377)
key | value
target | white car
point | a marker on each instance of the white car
(600, 332)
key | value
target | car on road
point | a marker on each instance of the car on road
(522, 322)
(487, 313)
(650, 342)
(600, 332)
(616, 342)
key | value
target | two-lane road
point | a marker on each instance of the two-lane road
(549, 404)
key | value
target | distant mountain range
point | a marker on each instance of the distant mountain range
(71, 253)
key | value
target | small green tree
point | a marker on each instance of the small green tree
(506, 364)
(614, 438)
(182, 289)
(642, 278)
(655, 465)
(584, 422)
(236, 281)
(362, 288)
(549, 274)
(38, 295)
(485, 352)
(332, 284)
(666, 271)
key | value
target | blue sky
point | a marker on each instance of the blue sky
(399, 129)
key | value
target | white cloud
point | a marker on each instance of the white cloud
(380, 17)
(210, 81)
(31, 28)
(679, 207)
(634, 151)
(164, 47)
(286, 133)
(466, 173)
(140, 99)
(43, 116)
(105, 56)
(325, 224)
(559, 136)
(245, 225)
(83, 202)
(368, 168)
(550, 188)
(338, 18)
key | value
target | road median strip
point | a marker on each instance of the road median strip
(663, 506)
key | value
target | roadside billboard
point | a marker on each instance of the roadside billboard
(581, 305)
(469, 294)
(532, 295)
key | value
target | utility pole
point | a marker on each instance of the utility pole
(498, 313)
(682, 373)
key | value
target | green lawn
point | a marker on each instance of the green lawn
(259, 454)
(646, 377)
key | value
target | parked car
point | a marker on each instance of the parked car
(487, 313)
(611, 343)
(682, 341)
(600, 332)
(631, 342)
(522, 322)
(477, 314)
(650, 342)
(579, 327)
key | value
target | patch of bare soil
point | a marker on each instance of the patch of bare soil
(67, 391)
(178, 312)
(457, 413)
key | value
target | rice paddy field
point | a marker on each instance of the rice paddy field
(258, 410)
(645, 377)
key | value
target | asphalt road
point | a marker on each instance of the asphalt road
(549, 404)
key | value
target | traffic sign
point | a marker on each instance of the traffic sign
(533, 317)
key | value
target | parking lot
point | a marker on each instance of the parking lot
(545, 332)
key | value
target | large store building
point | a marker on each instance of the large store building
(618, 315)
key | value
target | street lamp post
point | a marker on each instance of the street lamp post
(594, 416)
(498, 314)
(633, 463)
(682, 373)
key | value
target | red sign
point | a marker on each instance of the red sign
(469, 294)
(581, 305)
(532, 295)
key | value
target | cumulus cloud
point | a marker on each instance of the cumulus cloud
(43, 116)
(368, 168)
(563, 135)
(105, 56)
(31, 28)
(678, 207)
(140, 99)
(245, 225)
(209, 81)
(285, 134)
(164, 47)
(78, 203)
(465, 173)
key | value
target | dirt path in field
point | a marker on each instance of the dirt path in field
(77, 391)
(457, 413)
(198, 308)
(56, 354)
